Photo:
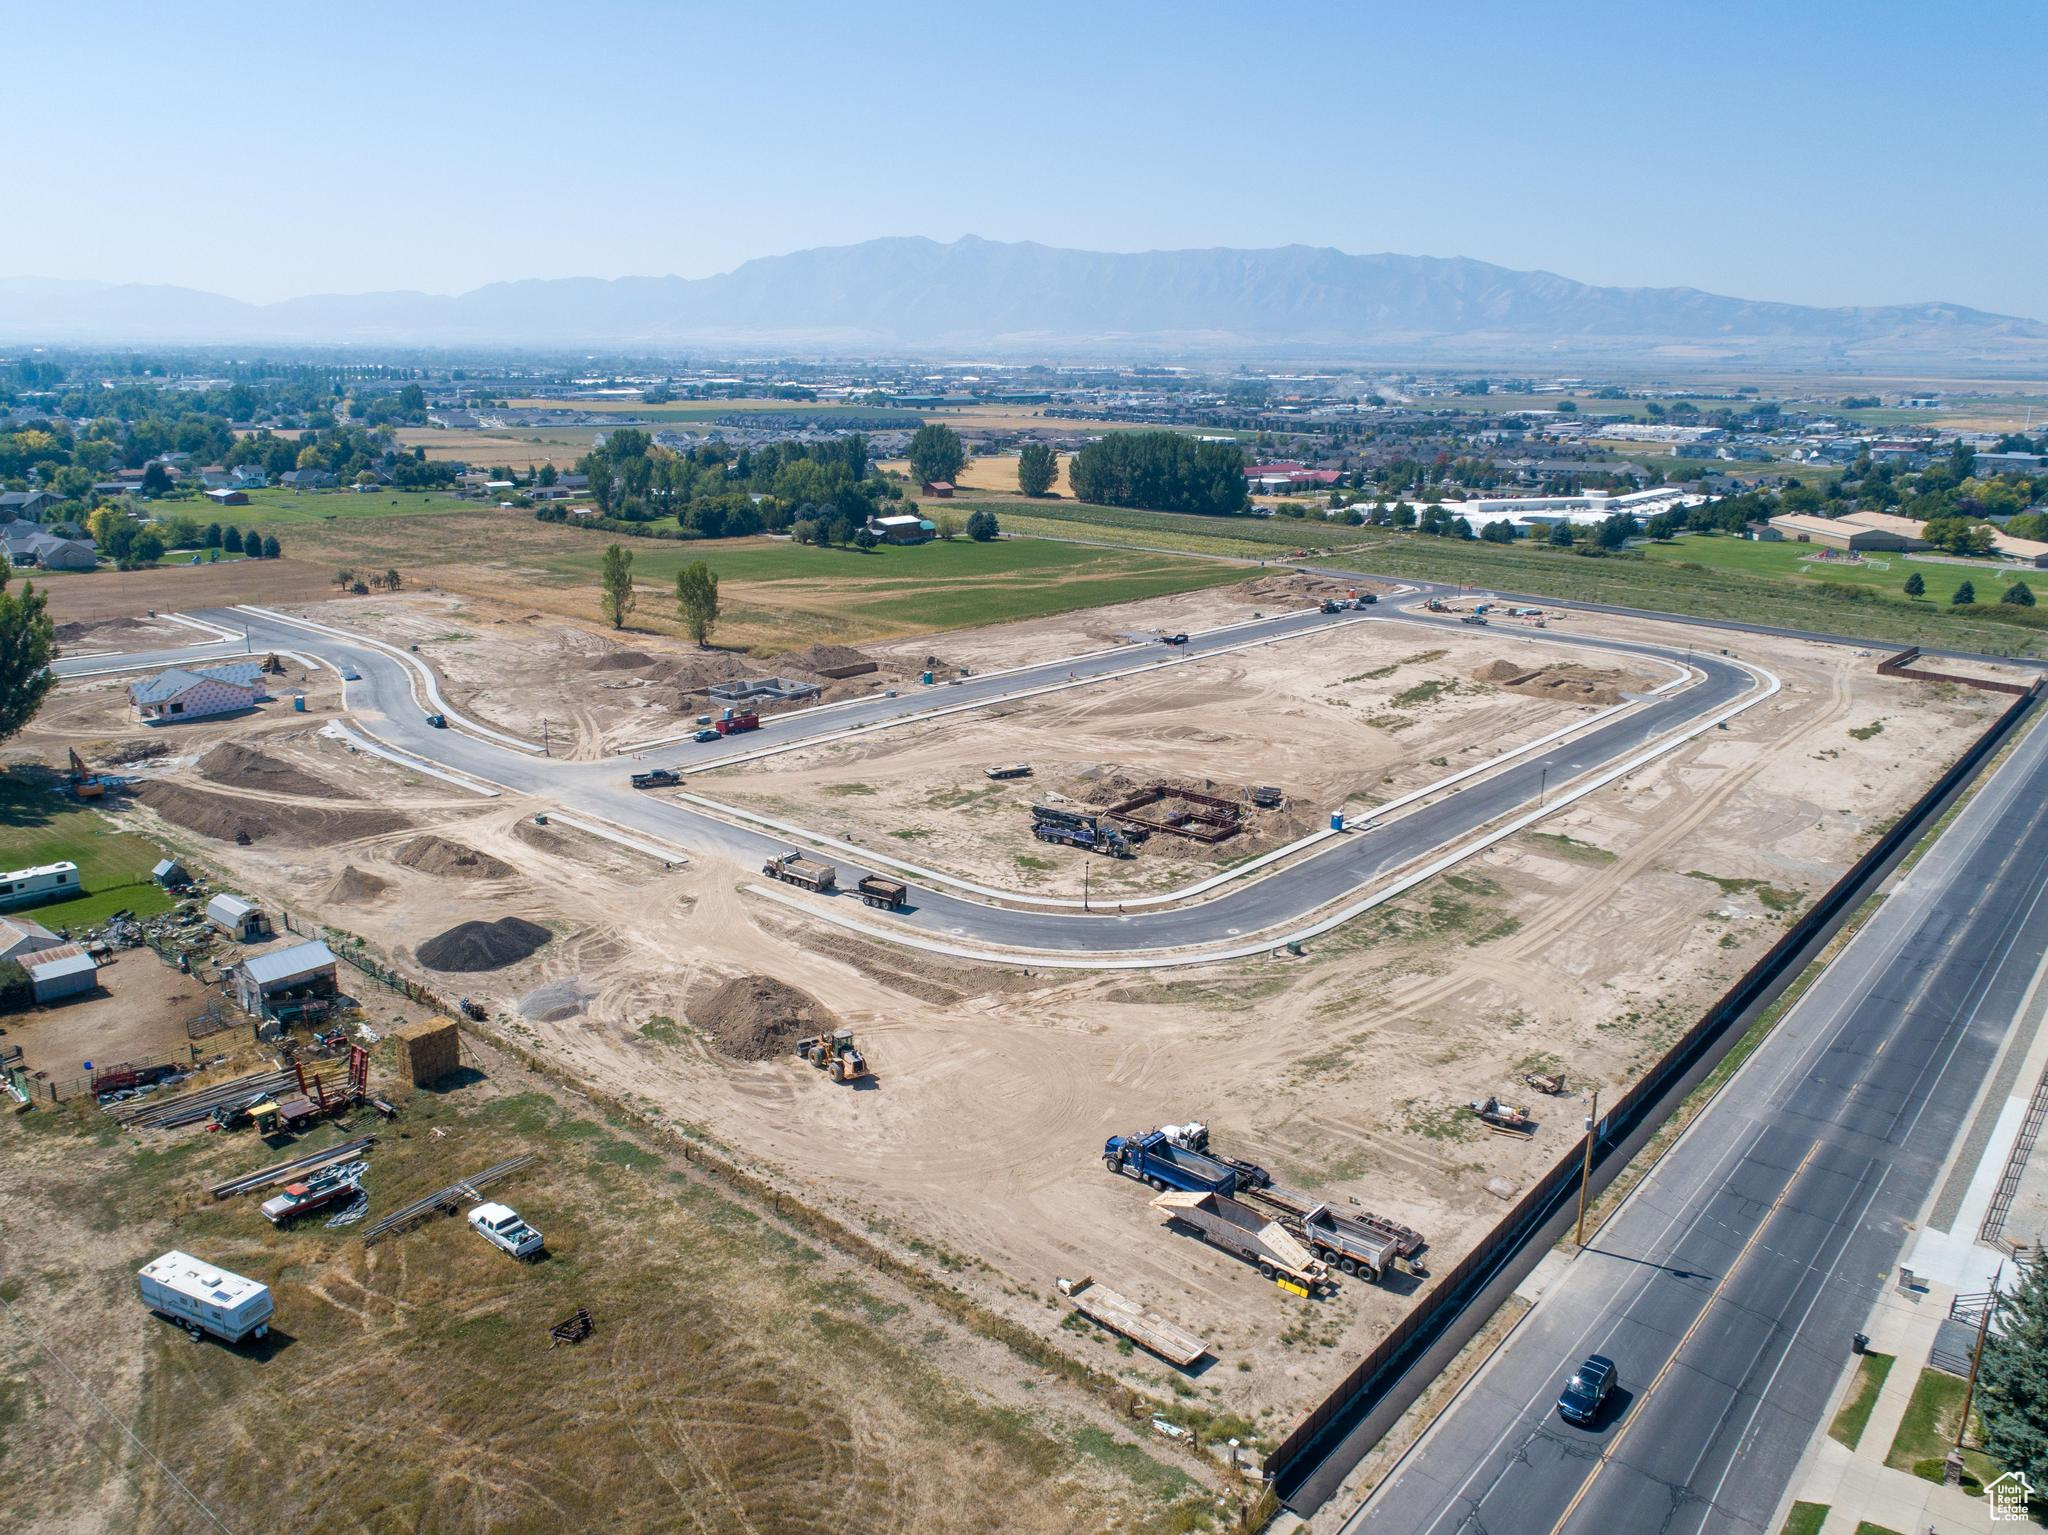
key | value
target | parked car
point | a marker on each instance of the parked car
(705, 735)
(1587, 1391)
(501, 1226)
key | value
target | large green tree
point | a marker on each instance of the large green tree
(936, 453)
(1161, 472)
(615, 585)
(28, 642)
(1038, 467)
(697, 599)
(2012, 1384)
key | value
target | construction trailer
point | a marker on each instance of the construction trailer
(792, 868)
(1248, 1233)
(205, 1298)
(1143, 1326)
(1156, 1160)
(889, 894)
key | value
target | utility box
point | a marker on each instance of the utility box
(205, 1297)
(428, 1051)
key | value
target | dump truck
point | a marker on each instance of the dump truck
(1347, 1244)
(1251, 1234)
(320, 1191)
(732, 722)
(835, 1054)
(889, 894)
(792, 868)
(1153, 1158)
(1194, 1136)
(656, 778)
(1407, 1242)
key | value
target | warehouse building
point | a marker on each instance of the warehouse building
(1839, 533)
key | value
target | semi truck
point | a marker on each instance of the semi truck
(1194, 1136)
(656, 778)
(1077, 828)
(889, 894)
(205, 1298)
(1250, 1234)
(793, 868)
(1153, 1158)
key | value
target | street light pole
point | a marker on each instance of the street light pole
(1586, 1168)
(1086, 870)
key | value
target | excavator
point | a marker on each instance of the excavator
(85, 783)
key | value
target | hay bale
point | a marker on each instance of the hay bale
(428, 1050)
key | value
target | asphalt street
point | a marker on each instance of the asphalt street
(383, 700)
(1728, 1285)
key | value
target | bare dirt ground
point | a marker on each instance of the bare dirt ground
(1358, 714)
(89, 598)
(1583, 945)
(138, 1014)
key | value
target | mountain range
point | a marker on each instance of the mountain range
(972, 295)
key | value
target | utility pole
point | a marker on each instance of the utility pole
(1586, 1169)
(1086, 870)
(1977, 1356)
(546, 746)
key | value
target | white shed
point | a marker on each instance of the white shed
(241, 919)
(205, 1296)
(65, 971)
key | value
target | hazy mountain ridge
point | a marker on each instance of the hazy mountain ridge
(915, 293)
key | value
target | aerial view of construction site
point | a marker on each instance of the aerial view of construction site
(963, 886)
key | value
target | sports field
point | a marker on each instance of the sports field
(1881, 574)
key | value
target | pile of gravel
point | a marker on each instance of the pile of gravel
(470, 946)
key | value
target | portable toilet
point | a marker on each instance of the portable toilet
(925, 678)
(298, 703)
(1336, 820)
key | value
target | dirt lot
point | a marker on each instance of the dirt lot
(138, 1014)
(91, 597)
(1581, 946)
(1355, 715)
(742, 1374)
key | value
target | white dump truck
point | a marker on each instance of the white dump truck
(501, 1226)
(205, 1297)
(1251, 1234)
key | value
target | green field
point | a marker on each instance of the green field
(938, 585)
(273, 511)
(1882, 574)
(1683, 578)
(39, 824)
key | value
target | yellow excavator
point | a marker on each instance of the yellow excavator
(85, 783)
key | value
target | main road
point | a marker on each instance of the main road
(1728, 1285)
(387, 688)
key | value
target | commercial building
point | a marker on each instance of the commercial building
(1840, 533)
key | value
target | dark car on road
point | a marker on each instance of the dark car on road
(1587, 1391)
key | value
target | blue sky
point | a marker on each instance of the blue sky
(1823, 153)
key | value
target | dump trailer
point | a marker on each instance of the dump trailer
(205, 1298)
(1142, 1325)
(1194, 1135)
(890, 894)
(1251, 1234)
(1152, 1158)
(1349, 1244)
(656, 778)
(1407, 1241)
(806, 873)
(732, 723)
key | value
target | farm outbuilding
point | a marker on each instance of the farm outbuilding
(20, 938)
(428, 1050)
(284, 980)
(237, 916)
(65, 971)
(171, 874)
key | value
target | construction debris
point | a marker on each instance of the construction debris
(190, 1108)
(1502, 1118)
(299, 1167)
(571, 1329)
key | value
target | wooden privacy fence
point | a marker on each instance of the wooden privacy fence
(1901, 665)
(1368, 1391)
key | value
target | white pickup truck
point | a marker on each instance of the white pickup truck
(501, 1226)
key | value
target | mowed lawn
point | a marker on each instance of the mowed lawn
(1882, 573)
(892, 590)
(41, 824)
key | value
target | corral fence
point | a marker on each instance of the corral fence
(1901, 665)
(110, 1077)
(1375, 1393)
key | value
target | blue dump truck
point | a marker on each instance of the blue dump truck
(1153, 1158)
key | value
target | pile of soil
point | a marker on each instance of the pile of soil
(623, 661)
(437, 855)
(239, 767)
(1501, 671)
(1565, 684)
(227, 819)
(824, 660)
(125, 753)
(352, 887)
(692, 676)
(470, 946)
(757, 1018)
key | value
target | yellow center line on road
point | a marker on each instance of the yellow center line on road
(1636, 1414)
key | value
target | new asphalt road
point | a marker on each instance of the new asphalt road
(1727, 1287)
(383, 697)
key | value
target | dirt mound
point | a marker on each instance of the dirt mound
(756, 1018)
(239, 767)
(227, 819)
(623, 661)
(691, 675)
(1500, 671)
(470, 946)
(1279, 589)
(123, 753)
(825, 661)
(352, 887)
(437, 855)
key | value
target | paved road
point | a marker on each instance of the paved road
(383, 700)
(1727, 1287)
